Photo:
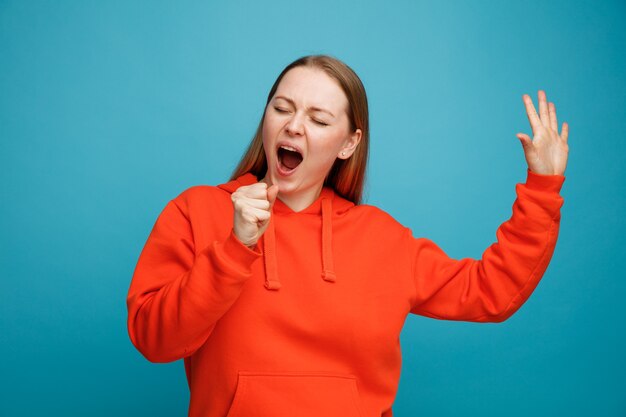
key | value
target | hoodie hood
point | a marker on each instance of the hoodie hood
(326, 204)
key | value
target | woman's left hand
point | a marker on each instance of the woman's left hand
(546, 153)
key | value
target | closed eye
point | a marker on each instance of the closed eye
(278, 109)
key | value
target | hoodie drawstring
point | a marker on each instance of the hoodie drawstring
(328, 272)
(269, 255)
(272, 282)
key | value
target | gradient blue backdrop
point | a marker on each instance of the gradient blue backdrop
(110, 109)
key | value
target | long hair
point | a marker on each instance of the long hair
(346, 176)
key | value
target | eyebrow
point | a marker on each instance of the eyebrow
(310, 108)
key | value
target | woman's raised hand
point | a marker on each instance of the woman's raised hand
(253, 206)
(546, 153)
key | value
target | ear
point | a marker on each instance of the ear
(350, 145)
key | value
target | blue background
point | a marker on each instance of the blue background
(110, 109)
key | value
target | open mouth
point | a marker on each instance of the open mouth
(288, 157)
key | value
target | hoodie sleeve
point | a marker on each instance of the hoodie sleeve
(493, 288)
(176, 297)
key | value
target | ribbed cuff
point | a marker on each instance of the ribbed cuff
(544, 182)
(232, 245)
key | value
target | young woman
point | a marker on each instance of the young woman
(286, 296)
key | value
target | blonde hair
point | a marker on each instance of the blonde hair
(346, 176)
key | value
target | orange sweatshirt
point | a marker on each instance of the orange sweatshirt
(308, 323)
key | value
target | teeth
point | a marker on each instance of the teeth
(289, 148)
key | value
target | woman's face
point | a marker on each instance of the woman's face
(308, 114)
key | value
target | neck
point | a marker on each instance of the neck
(300, 200)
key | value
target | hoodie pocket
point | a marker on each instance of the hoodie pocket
(302, 394)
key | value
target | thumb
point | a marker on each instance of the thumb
(524, 139)
(272, 192)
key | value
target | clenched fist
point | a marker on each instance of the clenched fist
(253, 205)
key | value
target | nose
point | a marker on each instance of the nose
(295, 125)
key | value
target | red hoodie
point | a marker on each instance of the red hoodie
(308, 323)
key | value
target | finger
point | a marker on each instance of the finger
(524, 139)
(272, 193)
(553, 122)
(260, 203)
(564, 131)
(255, 215)
(534, 120)
(543, 108)
(257, 190)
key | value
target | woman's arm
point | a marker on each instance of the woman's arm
(175, 298)
(493, 288)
